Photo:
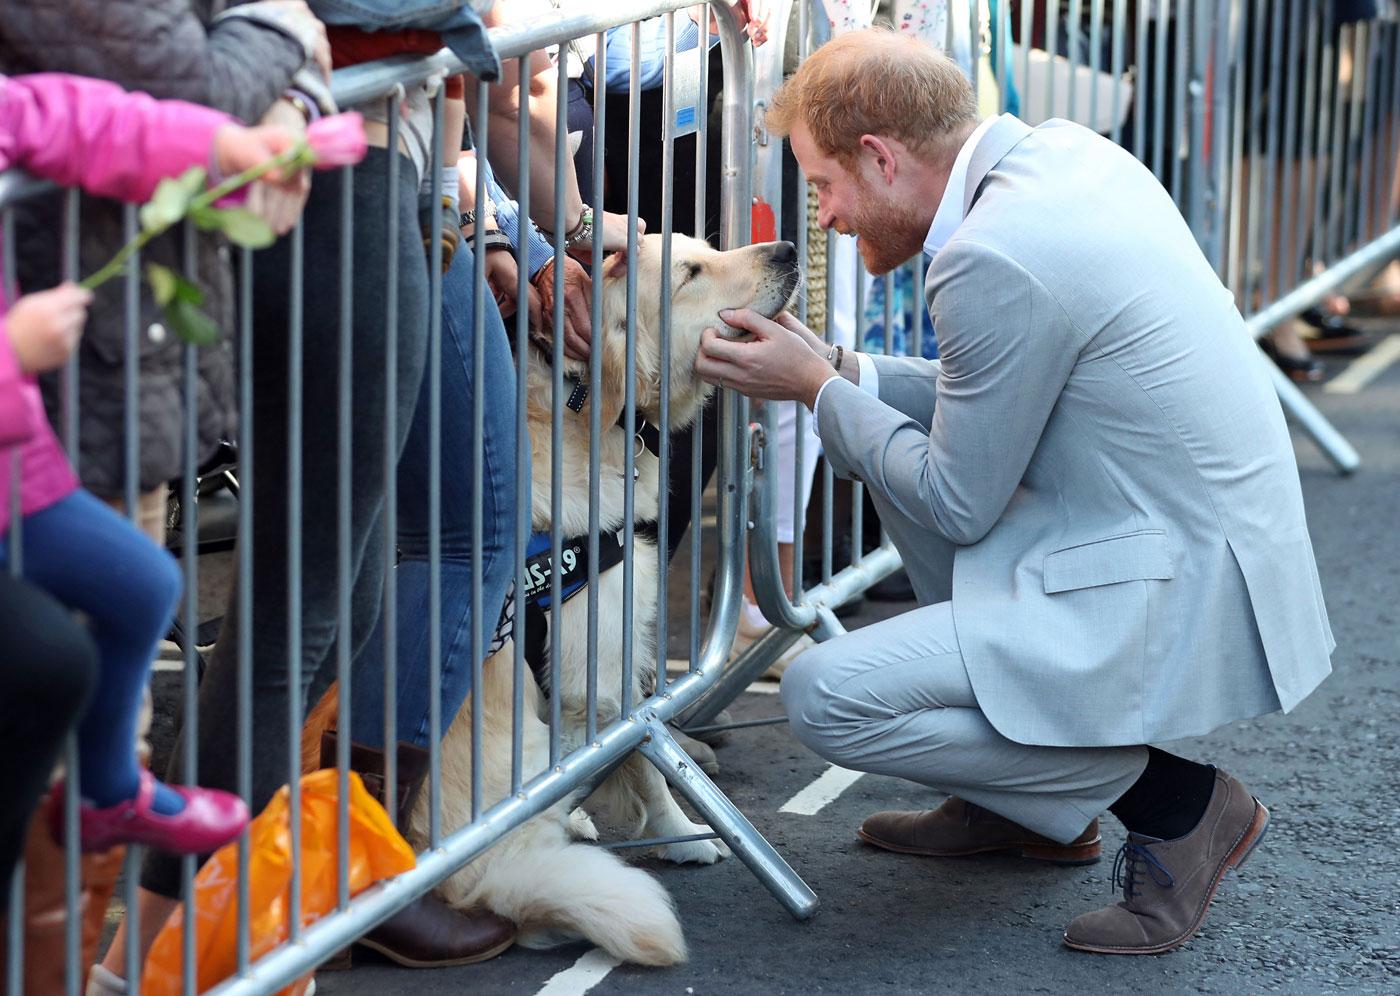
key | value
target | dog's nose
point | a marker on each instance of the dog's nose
(785, 253)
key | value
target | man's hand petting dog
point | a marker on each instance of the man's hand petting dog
(782, 361)
(578, 299)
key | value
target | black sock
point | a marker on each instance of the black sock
(1168, 799)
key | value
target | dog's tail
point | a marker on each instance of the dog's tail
(580, 891)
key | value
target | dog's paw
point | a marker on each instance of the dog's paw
(581, 825)
(697, 852)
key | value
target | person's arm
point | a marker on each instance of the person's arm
(1008, 349)
(651, 59)
(16, 419)
(90, 133)
(235, 65)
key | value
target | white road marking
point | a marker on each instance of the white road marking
(1365, 368)
(764, 687)
(830, 784)
(582, 975)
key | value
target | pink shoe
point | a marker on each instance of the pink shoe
(211, 818)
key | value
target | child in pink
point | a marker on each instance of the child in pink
(82, 132)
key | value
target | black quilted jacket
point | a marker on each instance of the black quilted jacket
(167, 48)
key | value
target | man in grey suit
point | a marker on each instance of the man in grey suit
(1101, 453)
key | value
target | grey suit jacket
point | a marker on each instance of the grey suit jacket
(1102, 443)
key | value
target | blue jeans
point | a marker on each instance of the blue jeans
(498, 502)
(91, 559)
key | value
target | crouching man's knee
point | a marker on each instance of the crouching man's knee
(806, 694)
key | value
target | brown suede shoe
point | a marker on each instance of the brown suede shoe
(958, 828)
(427, 933)
(1168, 884)
(430, 934)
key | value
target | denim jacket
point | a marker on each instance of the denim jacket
(456, 20)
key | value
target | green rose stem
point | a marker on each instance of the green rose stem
(295, 158)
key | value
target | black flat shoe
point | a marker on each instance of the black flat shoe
(1302, 369)
(1334, 334)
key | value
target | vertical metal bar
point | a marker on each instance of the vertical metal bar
(131, 493)
(189, 523)
(556, 426)
(1095, 60)
(477, 643)
(634, 133)
(69, 383)
(434, 375)
(1234, 271)
(799, 449)
(1076, 18)
(1393, 156)
(1027, 29)
(1365, 195)
(390, 454)
(1185, 49)
(343, 583)
(15, 938)
(246, 484)
(1255, 24)
(523, 518)
(1337, 164)
(1326, 76)
(1141, 83)
(72, 868)
(857, 488)
(1196, 194)
(663, 456)
(1268, 252)
(1288, 236)
(295, 395)
(595, 391)
(1003, 50)
(131, 370)
(1159, 102)
(1222, 128)
(1116, 68)
(974, 46)
(828, 477)
(697, 529)
(72, 858)
(1307, 145)
(1052, 49)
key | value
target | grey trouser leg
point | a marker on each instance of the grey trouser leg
(894, 699)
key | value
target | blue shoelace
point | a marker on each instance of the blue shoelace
(1131, 858)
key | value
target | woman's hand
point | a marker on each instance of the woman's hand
(578, 299)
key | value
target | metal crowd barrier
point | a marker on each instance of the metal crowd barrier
(1275, 129)
(642, 725)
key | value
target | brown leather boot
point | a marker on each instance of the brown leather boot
(427, 933)
(1168, 884)
(958, 828)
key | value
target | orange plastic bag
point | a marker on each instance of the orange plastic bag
(377, 851)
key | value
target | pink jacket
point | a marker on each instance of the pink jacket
(79, 132)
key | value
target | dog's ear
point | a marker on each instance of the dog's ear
(615, 265)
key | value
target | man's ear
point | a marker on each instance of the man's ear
(615, 265)
(881, 154)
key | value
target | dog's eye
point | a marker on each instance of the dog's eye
(695, 270)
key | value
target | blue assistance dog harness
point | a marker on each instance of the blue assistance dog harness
(538, 595)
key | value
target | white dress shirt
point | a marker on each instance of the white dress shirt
(946, 220)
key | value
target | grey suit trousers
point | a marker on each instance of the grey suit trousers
(894, 699)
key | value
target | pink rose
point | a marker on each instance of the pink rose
(337, 140)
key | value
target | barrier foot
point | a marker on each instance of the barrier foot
(738, 676)
(1296, 405)
(725, 819)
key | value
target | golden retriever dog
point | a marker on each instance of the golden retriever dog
(553, 887)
